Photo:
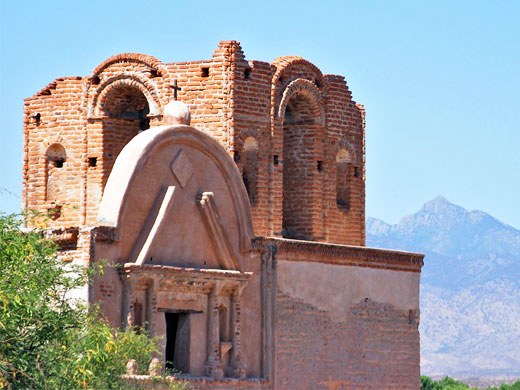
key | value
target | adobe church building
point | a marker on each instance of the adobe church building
(240, 238)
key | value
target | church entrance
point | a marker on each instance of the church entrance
(177, 341)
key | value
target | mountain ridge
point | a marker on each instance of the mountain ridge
(470, 294)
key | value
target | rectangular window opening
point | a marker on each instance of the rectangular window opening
(92, 161)
(247, 73)
(320, 166)
(204, 71)
(276, 159)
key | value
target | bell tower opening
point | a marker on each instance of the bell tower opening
(299, 132)
(55, 174)
(249, 168)
(343, 163)
(125, 113)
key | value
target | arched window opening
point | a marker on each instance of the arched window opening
(129, 103)
(56, 155)
(55, 176)
(299, 166)
(343, 163)
(250, 167)
(125, 109)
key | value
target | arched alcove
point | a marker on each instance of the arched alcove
(123, 109)
(301, 124)
(127, 102)
(343, 163)
(56, 155)
(250, 168)
(55, 190)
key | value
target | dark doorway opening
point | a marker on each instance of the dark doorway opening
(177, 341)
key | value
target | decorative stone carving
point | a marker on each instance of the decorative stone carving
(213, 365)
(223, 249)
(131, 367)
(156, 367)
(237, 368)
(182, 168)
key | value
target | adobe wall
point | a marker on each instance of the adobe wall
(344, 317)
(314, 314)
(375, 347)
(75, 128)
(181, 230)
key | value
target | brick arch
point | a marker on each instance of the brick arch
(135, 81)
(242, 136)
(56, 150)
(284, 63)
(309, 90)
(55, 139)
(344, 144)
(251, 143)
(144, 59)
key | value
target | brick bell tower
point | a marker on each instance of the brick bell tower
(295, 134)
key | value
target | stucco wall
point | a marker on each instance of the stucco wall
(344, 327)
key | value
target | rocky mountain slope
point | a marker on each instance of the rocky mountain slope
(470, 287)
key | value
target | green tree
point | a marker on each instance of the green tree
(47, 340)
(428, 384)
(514, 386)
(448, 383)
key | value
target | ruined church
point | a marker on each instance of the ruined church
(239, 236)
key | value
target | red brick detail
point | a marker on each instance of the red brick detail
(129, 58)
(308, 89)
(238, 99)
(377, 348)
(284, 63)
(98, 100)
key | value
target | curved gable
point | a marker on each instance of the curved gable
(177, 198)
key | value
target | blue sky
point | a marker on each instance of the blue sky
(439, 80)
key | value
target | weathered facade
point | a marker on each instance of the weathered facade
(241, 238)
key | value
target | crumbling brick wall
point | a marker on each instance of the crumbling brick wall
(376, 348)
(297, 118)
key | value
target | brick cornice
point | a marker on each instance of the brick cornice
(342, 254)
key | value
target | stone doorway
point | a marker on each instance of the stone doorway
(177, 341)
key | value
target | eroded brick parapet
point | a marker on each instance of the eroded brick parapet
(377, 348)
(342, 254)
(295, 134)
